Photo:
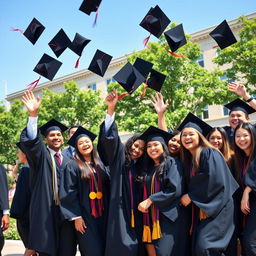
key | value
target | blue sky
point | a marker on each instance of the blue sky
(117, 31)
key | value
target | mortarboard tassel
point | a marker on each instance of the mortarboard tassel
(132, 201)
(121, 96)
(203, 215)
(33, 85)
(143, 93)
(17, 29)
(176, 55)
(96, 17)
(77, 62)
(145, 41)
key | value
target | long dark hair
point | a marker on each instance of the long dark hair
(226, 150)
(239, 153)
(162, 163)
(84, 166)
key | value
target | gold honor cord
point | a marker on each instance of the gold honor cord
(98, 194)
(54, 181)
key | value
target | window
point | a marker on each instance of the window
(200, 60)
(92, 86)
(205, 113)
(110, 80)
(225, 111)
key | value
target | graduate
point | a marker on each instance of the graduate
(245, 139)
(21, 201)
(49, 233)
(239, 113)
(84, 194)
(124, 226)
(210, 189)
(163, 216)
(4, 205)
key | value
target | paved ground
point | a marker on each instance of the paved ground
(15, 248)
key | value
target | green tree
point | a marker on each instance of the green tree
(188, 87)
(241, 56)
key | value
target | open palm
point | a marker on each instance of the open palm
(31, 102)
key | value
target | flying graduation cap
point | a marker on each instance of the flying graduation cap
(130, 77)
(77, 46)
(155, 22)
(46, 67)
(89, 6)
(223, 35)
(33, 31)
(59, 43)
(100, 62)
(175, 38)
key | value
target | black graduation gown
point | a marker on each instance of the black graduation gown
(46, 235)
(172, 215)
(20, 204)
(4, 204)
(74, 196)
(121, 238)
(211, 190)
(249, 231)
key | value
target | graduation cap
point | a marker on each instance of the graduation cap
(175, 38)
(195, 122)
(47, 67)
(89, 6)
(129, 78)
(33, 31)
(59, 43)
(155, 22)
(79, 133)
(52, 125)
(239, 105)
(155, 82)
(99, 63)
(78, 45)
(155, 134)
(223, 35)
(143, 66)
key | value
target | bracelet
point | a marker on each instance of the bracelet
(250, 99)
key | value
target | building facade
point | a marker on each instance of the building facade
(215, 115)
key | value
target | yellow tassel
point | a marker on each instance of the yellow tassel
(203, 215)
(132, 219)
(156, 233)
(146, 234)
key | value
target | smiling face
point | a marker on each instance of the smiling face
(84, 146)
(174, 145)
(237, 117)
(190, 139)
(54, 139)
(155, 150)
(243, 140)
(216, 139)
(137, 149)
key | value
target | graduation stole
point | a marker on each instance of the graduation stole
(132, 200)
(54, 181)
(156, 233)
(95, 184)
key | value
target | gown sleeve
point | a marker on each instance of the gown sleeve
(167, 200)
(4, 205)
(110, 147)
(213, 185)
(250, 176)
(69, 191)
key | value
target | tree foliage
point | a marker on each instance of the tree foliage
(188, 87)
(241, 56)
(74, 106)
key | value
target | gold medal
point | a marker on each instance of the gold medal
(99, 195)
(92, 195)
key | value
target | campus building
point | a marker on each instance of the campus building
(215, 115)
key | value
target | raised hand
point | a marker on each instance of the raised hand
(31, 102)
(239, 89)
(111, 101)
(159, 104)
